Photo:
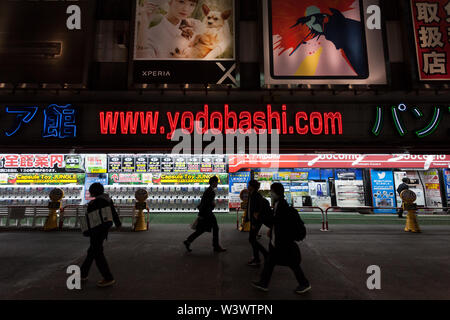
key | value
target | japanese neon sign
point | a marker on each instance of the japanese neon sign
(398, 112)
(59, 121)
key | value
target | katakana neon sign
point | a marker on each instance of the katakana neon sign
(59, 121)
(401, 109)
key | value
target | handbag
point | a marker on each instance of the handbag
(95, 218)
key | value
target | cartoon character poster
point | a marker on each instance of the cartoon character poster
(322, 41)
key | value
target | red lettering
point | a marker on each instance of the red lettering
(260, 124)
(334, 117)
(316, 130)
(218, 116)
(129, 121)
(230, 116)
(246, 125)
(202, 116)
(172, 123)
(56, 159)
(301, 130)
(149, 123)
(12, 161)
(270, 116)
(283, 115)
(26, 161)
(108, 125)
(41, 162)
(187, 116)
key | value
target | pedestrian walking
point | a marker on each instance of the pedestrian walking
(401, 187)
(257, 207)
(99, 218)
(206, 220)
(286, 228)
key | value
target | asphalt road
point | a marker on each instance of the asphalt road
(155, 265)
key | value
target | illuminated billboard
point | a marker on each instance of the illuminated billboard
(323, 42)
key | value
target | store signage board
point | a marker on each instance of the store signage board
(447, 184)
(164, 178)
(199, 48)
(238, 162)
(41, 163)
(431, 20)
(322, 42)
(45, 178)
(383, 190)
(237, 182)
(309, 126)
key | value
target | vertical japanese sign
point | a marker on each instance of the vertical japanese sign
(431, 29)
(178, 41)
(321, 42)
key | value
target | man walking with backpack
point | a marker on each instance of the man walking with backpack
(286, 228)
(257, 208)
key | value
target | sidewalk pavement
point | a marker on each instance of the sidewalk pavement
(155, 265)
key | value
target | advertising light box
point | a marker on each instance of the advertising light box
(185, 42)
(323, 42)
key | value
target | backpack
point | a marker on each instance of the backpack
(266, 210)
(297, 224)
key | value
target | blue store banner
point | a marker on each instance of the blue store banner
(94, 178)
(238, 181)
(447, 184)
(383, 190)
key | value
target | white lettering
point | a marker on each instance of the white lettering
(74, 20)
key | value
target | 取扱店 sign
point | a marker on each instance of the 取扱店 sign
(431, 29)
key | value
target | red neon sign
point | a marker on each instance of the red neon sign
(227, 121)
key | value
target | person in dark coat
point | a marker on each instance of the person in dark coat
(255, 209)
(206, 219)
(283, 250)
(98, 234)
(401, 187)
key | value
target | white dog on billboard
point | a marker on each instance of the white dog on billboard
(184, 29)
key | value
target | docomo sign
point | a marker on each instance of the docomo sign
(238, 162)
(154, 122)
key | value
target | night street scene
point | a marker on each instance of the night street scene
(224, 159)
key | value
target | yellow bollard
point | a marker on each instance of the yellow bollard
(245, 226)
(408, 197)
(141, 196)
(53, 206)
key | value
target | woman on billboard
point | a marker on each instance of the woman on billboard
(178, 35)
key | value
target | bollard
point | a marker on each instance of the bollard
(53, 206)
(245, 225)
(408, 197)
(141, 195)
